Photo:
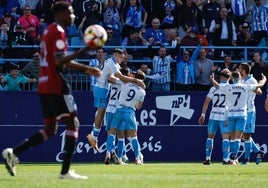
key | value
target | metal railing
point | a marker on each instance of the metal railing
(81, 82)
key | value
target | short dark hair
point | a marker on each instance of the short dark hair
(227, 55)
(235, 75)
(225, 73)
(59, 7)
(125, 71)
(246, 67)
(140, 75)
(13, 66)
(118, 50)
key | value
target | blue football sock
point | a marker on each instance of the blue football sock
(209, 148)
(120, 147)
(225, 149)
(248, 144)
(110, 142)
(135, 146)
(236, 147)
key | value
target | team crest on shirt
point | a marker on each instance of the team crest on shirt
(60, 44)
(178, 105)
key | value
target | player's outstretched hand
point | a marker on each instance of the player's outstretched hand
(201, 120)
(263, 77)
(211, 77)
(93, 71)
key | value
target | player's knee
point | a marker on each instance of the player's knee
(76, 123)
(50, 131)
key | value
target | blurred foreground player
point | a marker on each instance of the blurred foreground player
(55, 93)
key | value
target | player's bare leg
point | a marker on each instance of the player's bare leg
(93, 136)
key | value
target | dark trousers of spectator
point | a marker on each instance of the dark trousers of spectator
(201, 87)
(161, 86)
(185, 87)
(259, 35)
(218, 51)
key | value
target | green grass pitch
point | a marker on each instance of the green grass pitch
(179, 175)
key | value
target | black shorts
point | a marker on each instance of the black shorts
(57, 105)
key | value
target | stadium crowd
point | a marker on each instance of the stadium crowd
(136, 24)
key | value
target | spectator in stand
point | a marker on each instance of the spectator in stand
(155, 32)
(30, 23)
(43, 10)
(111, 17)
(72, 33)
(133, 15)
(12, 6)
(185, 75)
(200, 19)
(172, 38)
(227, 64)
(78, 8)
(13, 80)
(259, 14)
(191, 38)
(31, 69)
(239, 10)
(8, 19)
(3, 35)
(170, 14)
(2, 5)
(162, 66)
(154, 9)
(92, 10)
(224, 33)
(42, 26)
(187, 15)
(203, 68)
(211, 11)
(258, 67)
(135, 39)
(111, 41)
(20, 37)
(31, 3)
(245, 38)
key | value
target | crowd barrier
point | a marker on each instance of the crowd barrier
(263, 48)
(81, 82)
(168, 128)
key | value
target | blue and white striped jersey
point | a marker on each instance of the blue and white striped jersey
(162, 65)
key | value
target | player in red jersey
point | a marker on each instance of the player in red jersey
(54, 91)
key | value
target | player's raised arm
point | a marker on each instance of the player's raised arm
(202, 117)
